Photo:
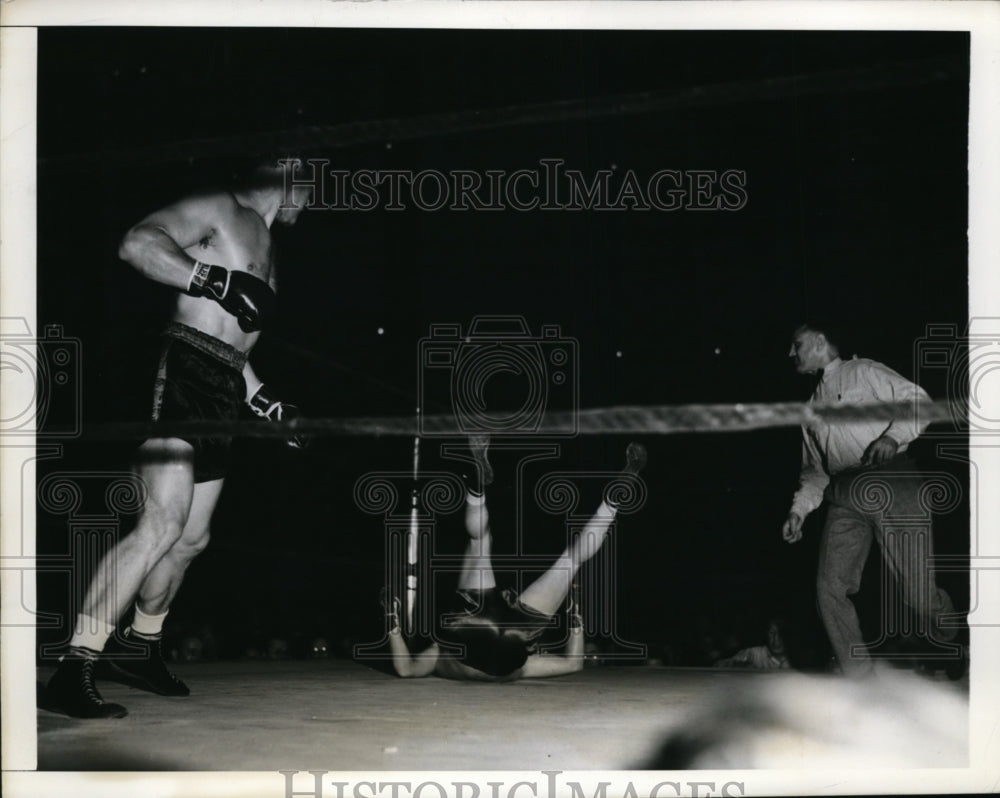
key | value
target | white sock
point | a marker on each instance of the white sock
(607, 509)
(148, 625)
(90, 633)
(475, 499)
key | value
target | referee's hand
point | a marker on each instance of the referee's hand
(792, 529)
(881, 449)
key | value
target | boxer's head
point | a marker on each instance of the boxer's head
(291, 178)
(487, 648)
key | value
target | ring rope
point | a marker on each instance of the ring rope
(653, 420)
(313, 138)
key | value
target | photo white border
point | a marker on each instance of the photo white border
(18, 46)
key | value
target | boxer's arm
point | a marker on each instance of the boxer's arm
(155, 246)
(407, 665)
(252, 380)
(266, 405)
(539, 667)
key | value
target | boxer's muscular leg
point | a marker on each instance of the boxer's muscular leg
(547, 592)
(138, 661)
(165, 468)
(477, 566)
(161, 584)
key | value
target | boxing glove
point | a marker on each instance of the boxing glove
(265, 405)
(242, 295)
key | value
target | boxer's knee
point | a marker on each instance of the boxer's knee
(192, 544)
(157, 532)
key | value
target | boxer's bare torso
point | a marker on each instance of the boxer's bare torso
(237, 238)
(215, 229)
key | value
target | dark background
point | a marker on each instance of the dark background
(854, 146)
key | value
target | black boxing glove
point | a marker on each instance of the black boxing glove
(242, 295)
(263, 404)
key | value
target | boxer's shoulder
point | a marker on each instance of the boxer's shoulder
(220, 204)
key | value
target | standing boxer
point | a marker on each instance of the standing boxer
(215, 249)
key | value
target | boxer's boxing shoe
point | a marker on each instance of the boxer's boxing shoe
(635, 458)
(391, 608)
(72, 691)
(958, 667)
(138, 662)
(480, 444)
